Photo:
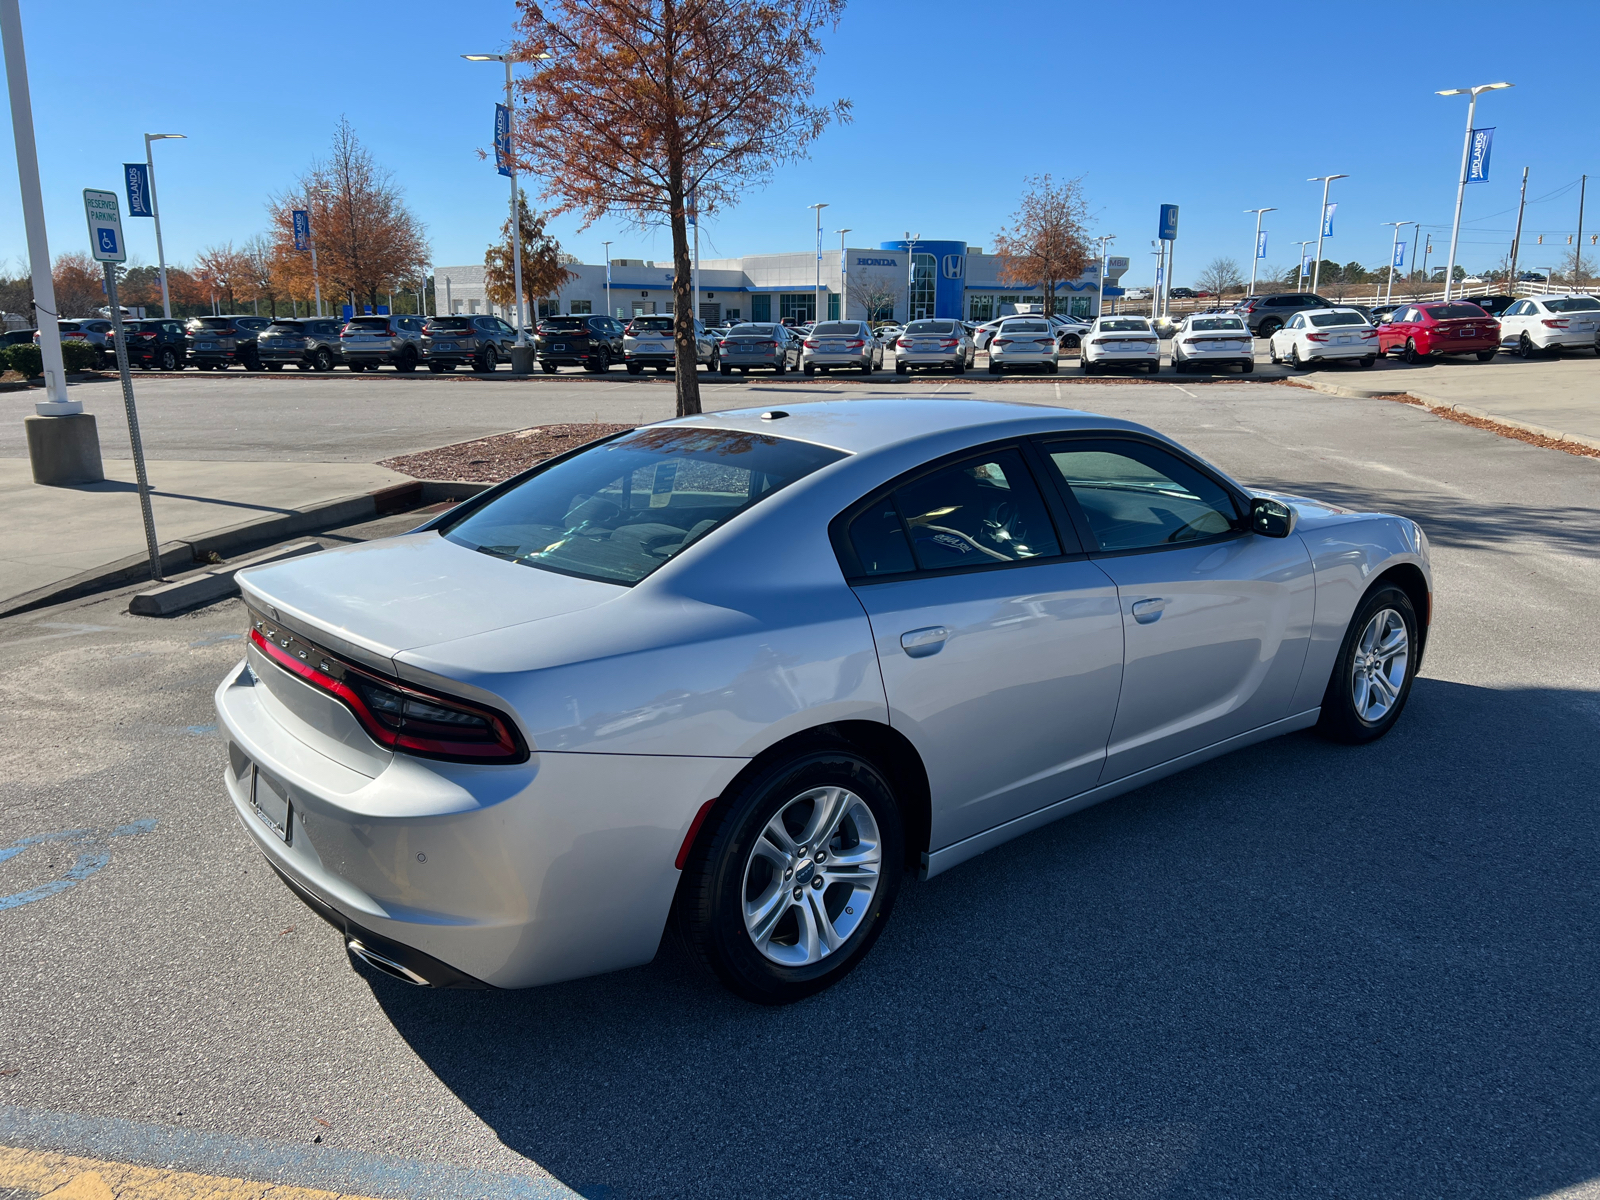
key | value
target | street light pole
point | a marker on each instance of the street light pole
(1394, 244)
(44, 292)
(155, 211)
(1302, 272)
(609, 313)
(1322, 226)
(1466, 154)
(844, 275)
(1100, 300)
(911, 270)
(817, 310)
(1255, 252)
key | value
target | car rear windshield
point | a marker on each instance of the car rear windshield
(1024, 327)
(1211, 324)
(618, 510)
(1573, 304)
(211, 323)
(1453, 312)
(651, 324)
(836, 329)
(1323, 320)
(565, 322)
(289, 328)
(381, 324)
(1125, 325)
(765, 331)
(931, 327)
(450, 322)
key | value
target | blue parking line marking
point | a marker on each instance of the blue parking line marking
(88, 862)
(307, 1166)
(86, 866)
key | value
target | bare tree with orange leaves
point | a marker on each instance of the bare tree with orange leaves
(644, 101)
(1046, 241)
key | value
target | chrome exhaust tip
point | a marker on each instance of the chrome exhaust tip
(387, 965)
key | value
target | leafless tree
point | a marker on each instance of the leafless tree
(1221, 276)
(874, 294)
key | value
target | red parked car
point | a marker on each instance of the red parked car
(1423, 331)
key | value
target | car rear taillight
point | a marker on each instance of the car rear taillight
(948, 343)
(1001, 342)
(904, 343)
(1560, 323)
(855, 345)
(398, 715)
(1316, 337)
(1369, 333)
(811, 345)
(1044, 341)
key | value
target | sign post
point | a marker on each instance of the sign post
(109, 249)
(1169, 235)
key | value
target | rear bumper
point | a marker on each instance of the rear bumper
(912, 359)
(835, 360)
(513, 876)
(370, 353)
(1565, 338)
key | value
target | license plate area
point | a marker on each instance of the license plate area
(270, 799)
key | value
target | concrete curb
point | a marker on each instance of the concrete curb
(177, 556)
(172, 598)
(1439, 404)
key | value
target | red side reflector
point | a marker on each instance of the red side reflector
(694, 831)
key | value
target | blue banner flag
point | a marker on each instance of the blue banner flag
(1305, 262)
(1399, 255)
(138, 179)
(692, 214)
(1169, 223)
(302, 228)
(502, 139)
(1261, 244)
(1478, 156)
(1327, 220)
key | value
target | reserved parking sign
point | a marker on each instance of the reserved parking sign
(105, 226)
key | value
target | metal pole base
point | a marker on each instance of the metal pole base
(522, 360)
(64, 450)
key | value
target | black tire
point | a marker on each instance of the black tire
(866, 367)
(715, 365)
(252, 363)
(273, 366)
(1409, 354)
(901, 369)
(1053, 369)
(960, 368)
(169, 359)
(1249, 365)
(407, 362)
(602, 364)
(810, 371)
(783, 365)
(725, 369)
(1525, 346)
(440, 368)
(356, 368)
(635, 368)
(1269, 327)
(1368, 361)
(1485, 355)
(486, 360)
(722, 870)
(1086, 366)
(1294, 359)
(204, 366)
(1155, 367)
(549, 368)
(322, 360)
(1342, 717)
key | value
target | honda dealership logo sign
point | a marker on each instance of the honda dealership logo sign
(877, 262)
(955, 265)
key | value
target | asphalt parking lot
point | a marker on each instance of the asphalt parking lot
(1304, 969)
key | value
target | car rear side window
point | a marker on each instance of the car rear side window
(1453, 312)
(1573, 304)
(879, 540)
(1323, 320)
(618, 510)
(980, 512)
(1138, 497)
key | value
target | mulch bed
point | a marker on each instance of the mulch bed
(491, 459)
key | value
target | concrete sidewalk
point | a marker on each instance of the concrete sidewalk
(53, 533)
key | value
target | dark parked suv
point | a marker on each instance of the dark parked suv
(449, 342)
(310, 343)
(1267, 314)
(593, 343)
(156, 344)
(221, 341)
(369, 341)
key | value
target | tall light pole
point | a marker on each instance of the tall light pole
(1255, 251)
(1302, 273)
(1394, 244)
(609, 313)
(1322, 225)
(155, 211)
(1100, 300)
(1466, 153)
(817, 309)
(511, 169)
(911, 269)
(844, 275)
(44, 292)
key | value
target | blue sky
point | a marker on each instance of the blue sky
(1216, 108)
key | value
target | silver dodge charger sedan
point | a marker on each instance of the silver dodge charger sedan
(744, 671)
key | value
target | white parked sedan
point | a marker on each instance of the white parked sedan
(1024, 342)
(1325, 335)
(1213, 342)
(746, 671)
(1121, 342)
(1551, 324)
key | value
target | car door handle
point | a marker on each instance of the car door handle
(1146, 611)
(919, 643)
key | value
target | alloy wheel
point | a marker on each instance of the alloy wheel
(811, 876)
(1378, 667)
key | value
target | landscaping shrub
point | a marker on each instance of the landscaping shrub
(25, 358)
(79, 355)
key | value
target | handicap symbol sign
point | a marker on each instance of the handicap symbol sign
(108, 240)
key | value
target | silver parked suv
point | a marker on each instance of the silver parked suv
(649, 341)
(453, 341)
(371, 341)
(310, 343)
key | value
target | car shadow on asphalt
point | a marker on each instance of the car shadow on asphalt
(1303, 968)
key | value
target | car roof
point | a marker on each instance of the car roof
(864, 426)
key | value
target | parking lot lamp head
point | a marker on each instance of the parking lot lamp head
(1466, 155)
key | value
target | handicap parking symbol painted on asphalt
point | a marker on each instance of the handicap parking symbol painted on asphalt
(91, 859)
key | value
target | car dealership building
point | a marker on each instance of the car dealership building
(894, 281)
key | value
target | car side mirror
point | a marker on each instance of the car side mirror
(1270, 518)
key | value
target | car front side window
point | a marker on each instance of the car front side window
(1136, 496)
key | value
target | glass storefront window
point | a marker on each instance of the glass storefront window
(833, 307)
(761, 309)
(924, 270)
(980, 308)
(800, 306)
(582, 308)
(1082, 306)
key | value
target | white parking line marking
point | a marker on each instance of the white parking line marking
(1185, 391)
(1058, 393)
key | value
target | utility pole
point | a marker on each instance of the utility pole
(1394, 246)
(155, 212)
(1516, 239)
(817, 310)
(607, 246)
(911, 271)
(1577, 253)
